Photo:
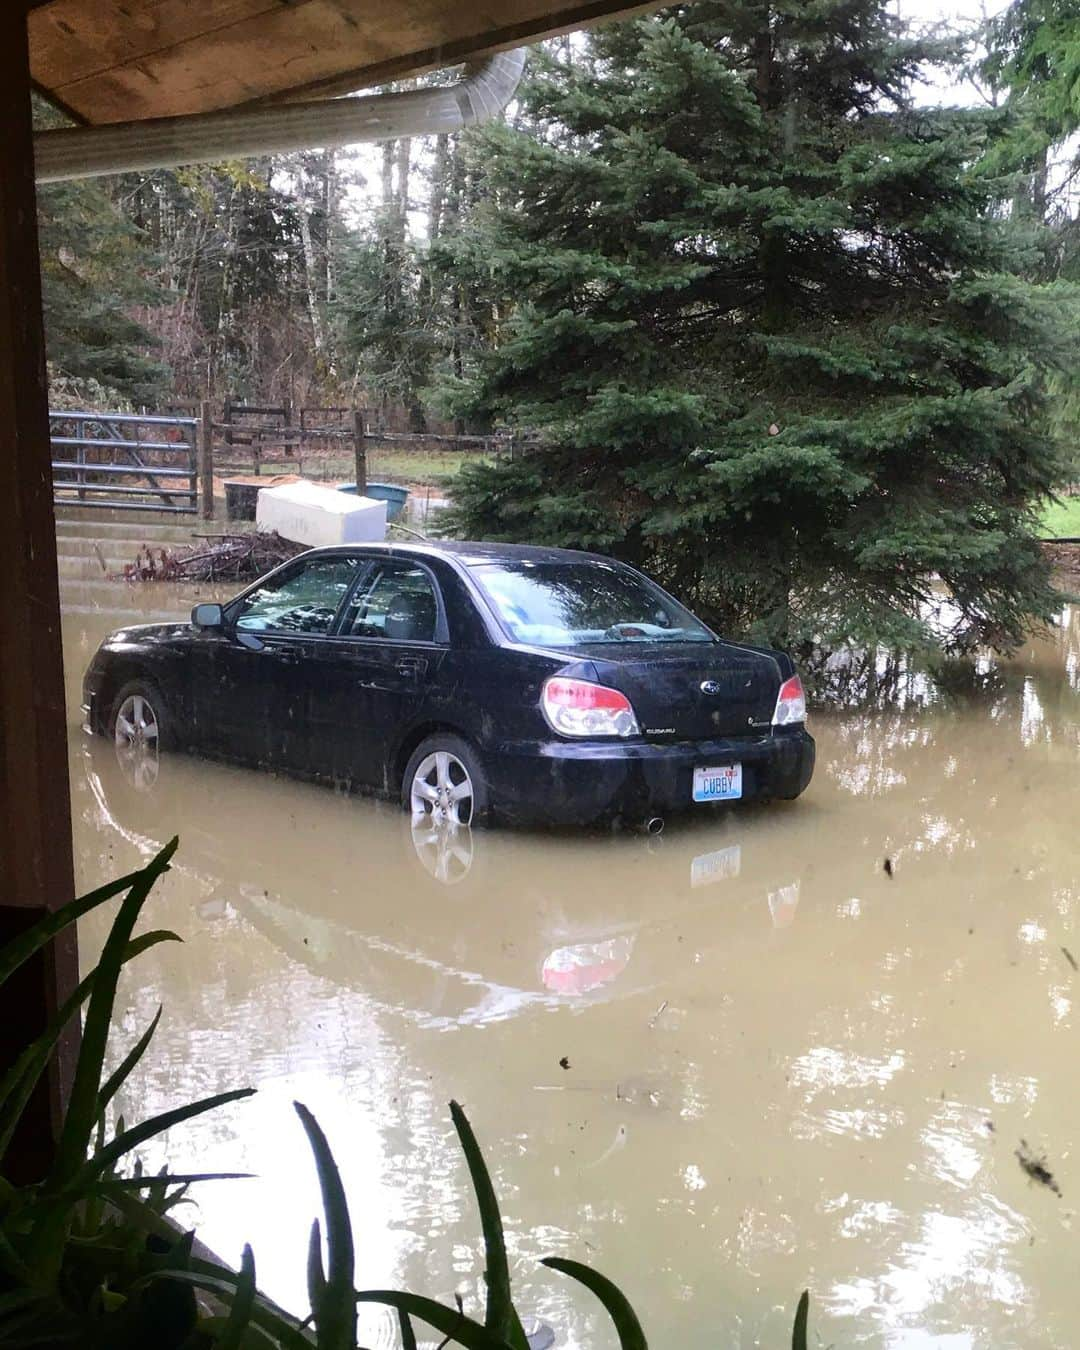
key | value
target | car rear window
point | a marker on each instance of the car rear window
(558, 604)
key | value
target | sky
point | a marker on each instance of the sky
(362, 196)
(940, 89)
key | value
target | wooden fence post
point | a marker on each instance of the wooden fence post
(360, 450)
(206, 460)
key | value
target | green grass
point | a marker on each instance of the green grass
(436, 467)
(423, 467)
(1061, 520)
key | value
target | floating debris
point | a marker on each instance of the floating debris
(564, 1063)
(1070, 958)
(888, 867)
(539, 1335)
(658, 1014)
(617, 1143)
(1036, 1168)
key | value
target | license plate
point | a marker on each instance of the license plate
(709, 867)
(718, 785)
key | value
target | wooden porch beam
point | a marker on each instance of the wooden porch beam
(36, 871)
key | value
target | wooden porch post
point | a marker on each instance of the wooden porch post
(35, 814)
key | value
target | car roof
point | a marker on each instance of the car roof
(471, 553)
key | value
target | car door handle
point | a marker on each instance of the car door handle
(286, 654)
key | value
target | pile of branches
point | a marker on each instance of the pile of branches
(226, 557)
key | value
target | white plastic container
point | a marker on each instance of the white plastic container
(316, 516)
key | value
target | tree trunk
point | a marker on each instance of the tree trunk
(438, 186)
(404, 164)
(311, 279)
(773, 249)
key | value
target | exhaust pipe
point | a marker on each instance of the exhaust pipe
(651, 825)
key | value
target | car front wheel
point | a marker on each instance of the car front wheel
(444, 783)
(139, 728)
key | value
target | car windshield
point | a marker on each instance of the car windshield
(559, 604)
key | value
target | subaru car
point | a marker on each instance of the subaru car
(474, 682)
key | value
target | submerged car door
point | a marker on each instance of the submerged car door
(262, 660)
(378, 672)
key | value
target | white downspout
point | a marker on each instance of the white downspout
(164, 142)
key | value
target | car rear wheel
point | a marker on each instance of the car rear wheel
(444, 784)
(139, 728)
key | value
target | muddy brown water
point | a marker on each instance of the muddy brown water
(719, 1067)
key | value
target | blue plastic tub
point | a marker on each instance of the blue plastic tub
(395, 497)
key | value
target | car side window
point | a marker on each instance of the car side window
(301, 601)
(397, 601)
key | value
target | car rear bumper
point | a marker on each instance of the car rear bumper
(567, 783)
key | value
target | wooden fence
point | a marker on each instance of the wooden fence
(152, 462)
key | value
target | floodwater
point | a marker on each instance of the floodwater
(720, 1067)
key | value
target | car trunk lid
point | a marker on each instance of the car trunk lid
(690, 691)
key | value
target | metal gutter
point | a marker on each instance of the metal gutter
(164, 142)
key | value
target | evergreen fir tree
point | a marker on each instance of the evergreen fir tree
(765, 323)
(94, 273)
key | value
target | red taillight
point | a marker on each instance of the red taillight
(583, 694)
(790, 704)
(581, 708)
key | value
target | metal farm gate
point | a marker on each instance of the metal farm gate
(125, 461)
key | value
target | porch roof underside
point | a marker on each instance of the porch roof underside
(127, 60)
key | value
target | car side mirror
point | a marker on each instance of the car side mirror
(208, 616)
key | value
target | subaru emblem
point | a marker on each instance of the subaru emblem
(710, 687)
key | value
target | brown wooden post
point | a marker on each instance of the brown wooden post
(360, 451)
(206, 460)
(36, 871)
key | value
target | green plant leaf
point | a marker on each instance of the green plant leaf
(449, 1322)
(140, 1217)
(20, 949)
(111, 1185)
(219, 1280)
(316, 1277)
(501, 1316)
(117, 1078)
(138, 1134)
(232, 1335)
(408, 1336)
(11, 1263)
(802, 1317)
(81, 1114)
(19, 1082)
(336, 1313)
(631, 1336)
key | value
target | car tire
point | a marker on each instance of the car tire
(151, 695)
(462, 764)
(140, 729)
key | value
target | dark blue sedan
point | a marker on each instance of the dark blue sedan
(475, 681)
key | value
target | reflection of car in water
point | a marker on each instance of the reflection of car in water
(470, 681)
(472, 926)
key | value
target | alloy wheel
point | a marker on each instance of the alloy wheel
(442, 790)
(137, 736)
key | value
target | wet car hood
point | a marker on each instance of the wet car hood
(149, 632)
